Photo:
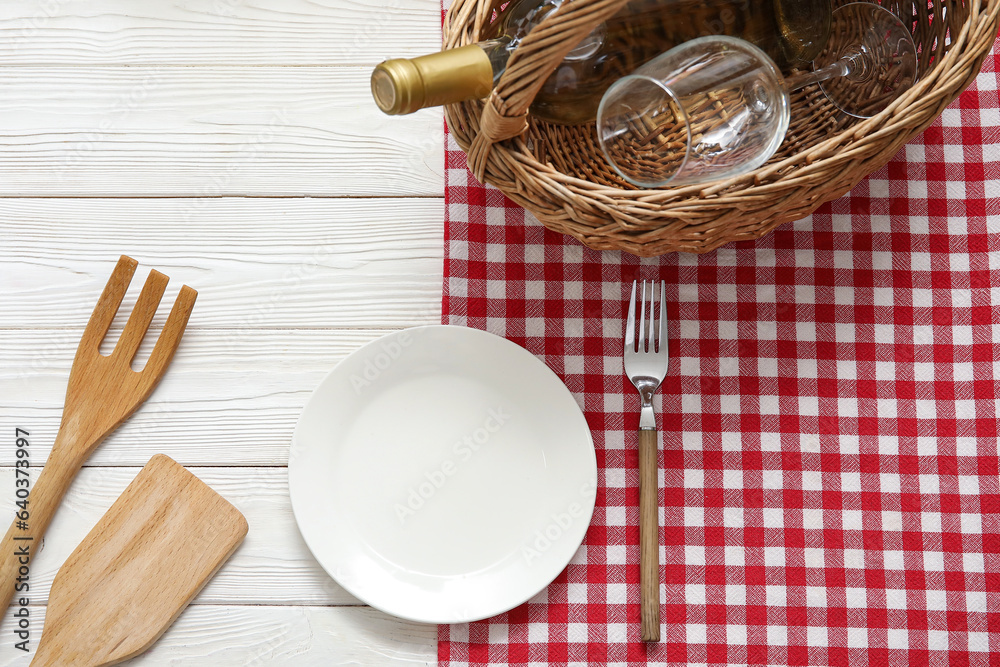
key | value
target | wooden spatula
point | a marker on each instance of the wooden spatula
(134, 573)
(102, 392)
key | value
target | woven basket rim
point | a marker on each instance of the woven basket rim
(869, 143)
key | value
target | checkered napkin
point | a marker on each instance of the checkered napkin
(829, 446)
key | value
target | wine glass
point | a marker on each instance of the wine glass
(870, 59)
(717, 107)
(712, 107)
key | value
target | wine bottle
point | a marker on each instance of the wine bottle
(792, 32)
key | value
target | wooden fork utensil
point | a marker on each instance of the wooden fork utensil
(103, 392)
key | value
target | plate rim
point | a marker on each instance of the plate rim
(592, 477)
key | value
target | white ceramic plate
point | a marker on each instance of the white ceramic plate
(442, 474)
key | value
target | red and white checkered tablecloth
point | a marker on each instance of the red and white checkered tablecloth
(829, 439)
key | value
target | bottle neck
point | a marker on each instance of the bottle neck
(498, 51)
(403, 85)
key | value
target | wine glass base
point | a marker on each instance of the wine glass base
(880, 55)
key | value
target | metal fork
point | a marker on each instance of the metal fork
(103, 391)
(646, 361)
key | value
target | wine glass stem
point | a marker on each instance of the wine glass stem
(841, 67)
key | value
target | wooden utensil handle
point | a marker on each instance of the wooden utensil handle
(649, 536)
(24, 537)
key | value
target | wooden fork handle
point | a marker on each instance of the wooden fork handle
(649, 536)
(24, 537)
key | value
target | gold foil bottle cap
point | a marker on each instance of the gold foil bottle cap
(395, 84)
(402, 85)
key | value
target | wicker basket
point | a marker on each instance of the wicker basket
(559, 174)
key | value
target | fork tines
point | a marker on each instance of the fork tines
(140, 318)
(646, 341)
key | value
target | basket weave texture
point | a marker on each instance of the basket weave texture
(559, 173)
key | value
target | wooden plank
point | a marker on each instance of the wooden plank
(231, 397)
(330, 274)
(273, 566)
(210, 131)
(232, 32)
(210, 636)
(255, 262)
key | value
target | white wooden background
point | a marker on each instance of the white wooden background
(233, 145)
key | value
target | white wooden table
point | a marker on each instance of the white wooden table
(233, 145)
